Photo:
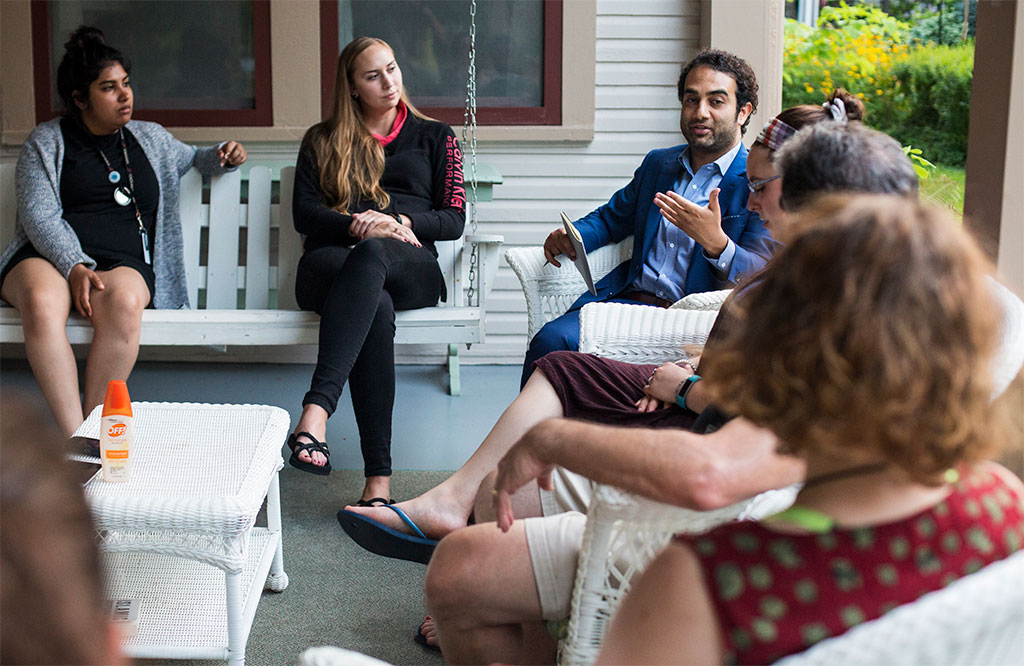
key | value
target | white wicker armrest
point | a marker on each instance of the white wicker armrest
(624, 533)
(550, 290)
(979, 619)
(702, 300)
(641, 333)
(1010, 356)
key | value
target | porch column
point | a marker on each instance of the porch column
(753, 30)
(994, 196)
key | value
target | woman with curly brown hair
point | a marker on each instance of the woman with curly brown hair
(875, 372)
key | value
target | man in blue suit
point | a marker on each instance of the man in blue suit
(686, 207)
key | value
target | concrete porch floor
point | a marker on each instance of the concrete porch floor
(432, 430)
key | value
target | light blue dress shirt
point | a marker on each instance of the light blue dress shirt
(665, 267)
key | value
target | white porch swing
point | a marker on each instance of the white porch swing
(251, 303)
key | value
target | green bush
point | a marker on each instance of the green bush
(932, 104)
(852, 47)
(918, 93)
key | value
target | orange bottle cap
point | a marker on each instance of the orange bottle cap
(117, 401)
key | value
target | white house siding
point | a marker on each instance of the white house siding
(640, 45)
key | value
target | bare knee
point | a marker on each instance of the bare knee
(44, 307)
(119, 307)
(451, 574)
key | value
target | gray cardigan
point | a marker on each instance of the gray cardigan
(41, 216)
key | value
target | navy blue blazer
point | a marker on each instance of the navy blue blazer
(631, 211)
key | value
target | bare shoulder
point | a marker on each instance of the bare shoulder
(1005, 475)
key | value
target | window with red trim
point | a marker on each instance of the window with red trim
(518, 54)
(202, 63)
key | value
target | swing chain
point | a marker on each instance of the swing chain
(469, 139)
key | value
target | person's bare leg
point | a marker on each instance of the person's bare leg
(314, 421)
(447, 506)
(670, 601)
(376, 486)
(116, 322)
(525, 501)
(482, 594)
(43, 299)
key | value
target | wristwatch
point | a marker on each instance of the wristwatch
(684, 390)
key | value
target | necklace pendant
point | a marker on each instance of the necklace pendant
(114, 177)
(121, 197)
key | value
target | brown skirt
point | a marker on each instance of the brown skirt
(601, 390)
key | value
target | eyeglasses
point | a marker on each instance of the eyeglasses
(758, 185)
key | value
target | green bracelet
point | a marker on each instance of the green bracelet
(684, 390)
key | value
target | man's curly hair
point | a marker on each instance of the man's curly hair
(734, 66)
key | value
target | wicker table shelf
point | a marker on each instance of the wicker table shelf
(180, 535)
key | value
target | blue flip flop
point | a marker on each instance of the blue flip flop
(383, 540)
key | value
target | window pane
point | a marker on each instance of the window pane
(185, 55)
(431, 43)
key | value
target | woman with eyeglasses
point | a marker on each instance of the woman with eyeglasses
(97, 226)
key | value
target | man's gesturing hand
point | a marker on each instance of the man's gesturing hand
(523, 463)
(701, 223)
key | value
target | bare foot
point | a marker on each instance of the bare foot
(432, 515)
(316, 457)
(313, 421)
(428, 629)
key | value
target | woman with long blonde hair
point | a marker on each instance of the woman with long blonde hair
(375, 185)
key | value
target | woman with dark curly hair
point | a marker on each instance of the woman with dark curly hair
(97, 226)
(874, 372)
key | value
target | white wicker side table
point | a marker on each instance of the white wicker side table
(180, 536)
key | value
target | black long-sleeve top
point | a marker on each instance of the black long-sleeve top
(422, 174)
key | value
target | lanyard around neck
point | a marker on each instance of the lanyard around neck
(126, 192)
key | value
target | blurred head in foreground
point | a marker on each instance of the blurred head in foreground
(51, 591)
(868, 338)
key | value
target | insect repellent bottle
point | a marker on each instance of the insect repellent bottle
(116, 433)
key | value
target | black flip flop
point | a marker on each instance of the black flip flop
(374, 502)
(310, 447)
(380, 539)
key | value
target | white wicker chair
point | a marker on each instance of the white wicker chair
(642, 334)
(624, 533)
(550, 290)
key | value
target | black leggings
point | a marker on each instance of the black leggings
(356, 293)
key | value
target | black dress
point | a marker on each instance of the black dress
(107, 231)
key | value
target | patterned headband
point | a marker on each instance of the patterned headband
(774, 134)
